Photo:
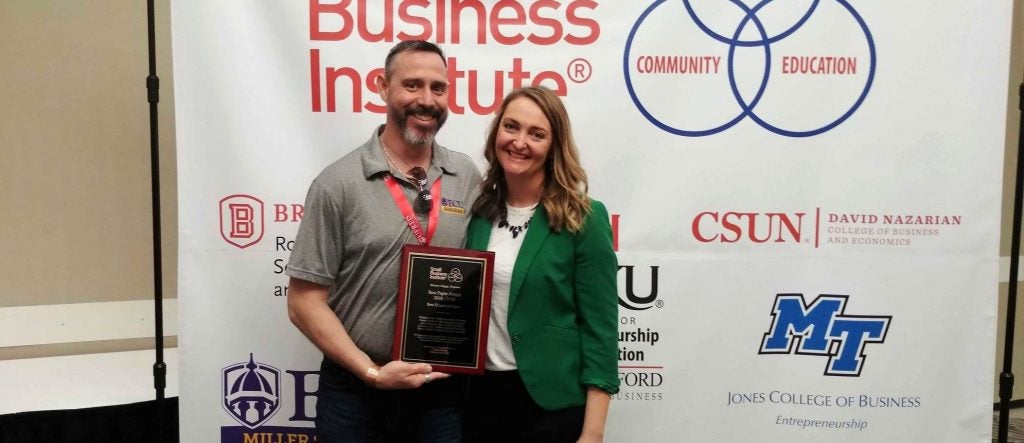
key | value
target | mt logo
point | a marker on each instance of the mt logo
(823, 328)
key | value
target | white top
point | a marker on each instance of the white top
(506, 248)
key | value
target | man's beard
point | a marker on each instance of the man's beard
(411, 135)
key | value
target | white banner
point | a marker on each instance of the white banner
(805, 198)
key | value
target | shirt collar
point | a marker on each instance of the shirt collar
(375, 163)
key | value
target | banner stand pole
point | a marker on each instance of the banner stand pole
(153, 97)
(1006, 378)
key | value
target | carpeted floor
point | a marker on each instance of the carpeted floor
(1015, 432)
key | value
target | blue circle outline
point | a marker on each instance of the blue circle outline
(751, 15)
(747, 108)
(735, 40)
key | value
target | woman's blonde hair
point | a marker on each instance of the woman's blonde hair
(564, 196)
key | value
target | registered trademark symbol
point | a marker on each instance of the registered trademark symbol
(579, 70)
(659, 303)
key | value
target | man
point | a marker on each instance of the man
(359, 212)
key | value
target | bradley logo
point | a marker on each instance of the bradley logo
(822, 328)
(251, 392)
(241, 220)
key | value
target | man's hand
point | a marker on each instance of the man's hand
(403, 375)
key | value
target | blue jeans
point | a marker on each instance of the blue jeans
(349, 411)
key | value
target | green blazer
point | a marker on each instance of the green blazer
(563, 307)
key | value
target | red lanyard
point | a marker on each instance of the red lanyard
(409, 215)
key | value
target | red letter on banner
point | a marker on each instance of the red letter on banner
(536, 18)
(241, 221)
(423, 22)
(518, 18)
(571, 17)
(341, 9)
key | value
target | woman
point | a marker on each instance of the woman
(551, 349)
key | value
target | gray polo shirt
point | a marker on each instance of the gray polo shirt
(352, 233)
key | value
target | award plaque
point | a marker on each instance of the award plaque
(444, 303)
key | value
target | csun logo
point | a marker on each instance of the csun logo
(822, 328)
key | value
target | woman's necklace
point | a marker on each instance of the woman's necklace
(524, 214)
(516, 229)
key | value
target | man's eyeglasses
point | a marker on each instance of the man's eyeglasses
(419, 177)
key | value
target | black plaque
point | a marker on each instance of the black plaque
(444, 303)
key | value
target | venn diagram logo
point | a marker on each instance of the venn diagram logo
(797, 68)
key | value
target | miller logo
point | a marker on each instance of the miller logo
(241, 220)
(251, 392)
(631, 300)
(821, 328)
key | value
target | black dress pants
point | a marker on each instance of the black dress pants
(500, 410)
